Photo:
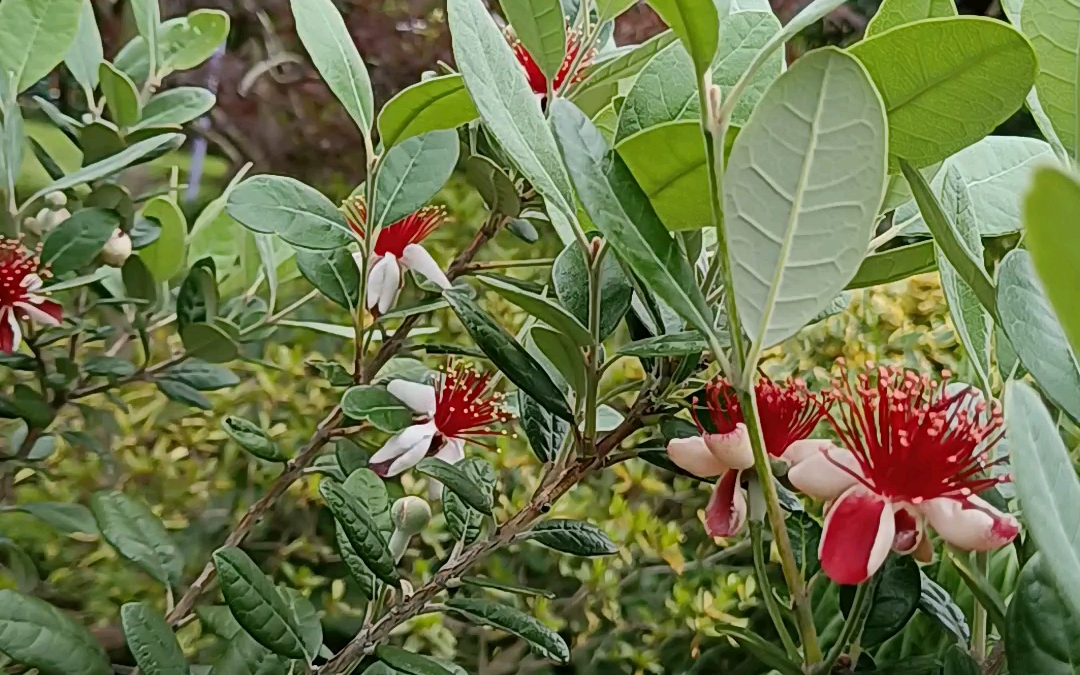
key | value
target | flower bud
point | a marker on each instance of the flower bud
(47, 219)
(117, 250)
(32, 224)
(410, 515)
(56, 199)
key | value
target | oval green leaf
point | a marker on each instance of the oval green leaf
(307, 619)
(458, 482)
(697, 25)
(75, 242)
(37, 635)
(438, 103)
(361, 529)
(667, 178)
(176, 106)
(378, 406)
(333, 273)
(85, 54)
(574, 537)
(570, 276)
(359, 571)
(151, 641)
(208, 342)
(255, 603)
(1052, 26)
(165, 257)
(895, 264)
(1041, 639)
(370, 491)
(137, 535)
(245, 656)
(411, 173)
(541, 28)
(544, 431)
(893, 13)
(544, 641)
(404, 661)
(296, 212)
(121, 96)
(252, 438)
(36, 34)
(65, 518)
(542, 308)
(462, 521)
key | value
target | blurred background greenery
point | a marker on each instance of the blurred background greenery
(650, 609)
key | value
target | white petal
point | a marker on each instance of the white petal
(358, 258)
(419, 397)
(819, 476)
(807, 447)
(691, 454)
(452, 452)
(406, 448)
(384, 280)
(733, 448)
(16, 330)
(416, 258)
(970, 525)
(36, 314)
(32, 282)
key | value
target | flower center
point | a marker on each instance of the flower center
(15, 266)
(412, 229)
(788, 411)
(465, 405)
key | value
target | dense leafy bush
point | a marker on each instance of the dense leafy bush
(720, 217)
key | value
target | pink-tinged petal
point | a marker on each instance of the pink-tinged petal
(416, 258)
(807, 447)
(403, 450)
(733, 448)
(970, 524)
(8, 332)
(45, 312)
(909, 528)
(726, 511)
(827, 474)
(419, 397)
(691, 454)
(384, 281)
(31, 282)
(859, 531)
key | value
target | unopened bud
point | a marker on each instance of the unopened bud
(56, 199)
(594, 247)
(117, 250)
(87, 118)
(716, 98)
(48, 219)
(410, 515)
(32, 224)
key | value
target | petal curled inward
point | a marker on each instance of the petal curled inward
(733, 448)
(970, 524)
(403, 450)
(859, 531)
(384, 280)
(416, 258)
(46, 312)
(691, 454)
(419, 397)
(807, 447)
(827, 474)
(10, 333)
(726, 511)
(909, 528)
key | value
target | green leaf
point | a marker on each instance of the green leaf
(544, 641)
(255, 603)
(921, 85)
(284, 206)
(458, 482)
(176, 106)
(609, 9)
(378, 406)
(1047, 486)
(621, 211)
(183, 42)
(333, 273)
(407, 662)
(562, 354)
(972, 321)
(969, 269)
(1035, 334)
(109, 165)
(893, 13)
(494, 185)
(411, 173)
(75, 242)
(483, 582)
(507, 355)
(600, 80)
(675, 344)
(763, 651)
(896, 597)
(433, 104)
(328, 43)
(1052, 26)
(85, 54)
(197, 299)
(165, 257)
(745, 33)
(667, 178)
(1054, 195)
(138, 535)
(357, 568)
(245, 656)
(151, 641)
(361, 529)
(138, 281)
(542, 308)
(370, 491)
(936, 603)
(895, 264)
(541, 28)
(796, 238)
(307, 619)
(183, 393)
(805, 535)
(208, 342)
(252, 438)
(507, 105)
(570, 276)
(697, 24)
(544, 431)
(202, 376)
(37, 635)
(148, 21)
(36, 34)
(573, 537)
(1043, 638)
(218, 620)
(959, 662)
(121, 95)
(65, 518)
(108, 366)
(984, 592)
(462, 521)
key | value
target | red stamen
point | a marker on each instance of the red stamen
(412, 229)
(536, 78)
(16, 263)
(464, 404)
(788, 411)
(913, 441)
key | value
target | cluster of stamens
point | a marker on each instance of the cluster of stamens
(912, 440)
(16, 264)
(465, 404)
(412, 229)
(537, 80)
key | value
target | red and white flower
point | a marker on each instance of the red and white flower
(537, 80)
(20, 297)
(460, 407)
(397, 247)
(915, 456)
(788, 414)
